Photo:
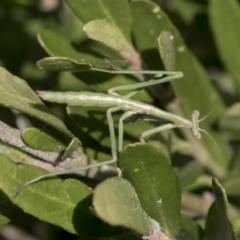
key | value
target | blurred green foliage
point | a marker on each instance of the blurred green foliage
(206, 37)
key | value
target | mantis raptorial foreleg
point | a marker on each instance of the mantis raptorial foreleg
(112, 132)
(156, 130)
(120, 128)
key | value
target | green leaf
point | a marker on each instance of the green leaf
(74, 144)
(229, 121)
(63, 203)
(189, 230)
(188, 10)
(51, 64)
(43, 139)
(56, 64)
(189, 173)
(8, 209)
(122, 237)
(69, 82)
(57, 44)
(203, 181)
(148, 26)
(218, 225)
(232, 182)
(15, 153)
(14, 147)
(113, 13)
(94, 133)
(102, 31)
(223, 18)
(116, 202)
(167, 51)
(154, 179)
(16, 94)
(97, 129)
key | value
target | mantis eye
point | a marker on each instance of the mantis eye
(195, 128)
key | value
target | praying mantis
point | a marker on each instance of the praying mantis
(115, 102)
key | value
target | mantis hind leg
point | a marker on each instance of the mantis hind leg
(135, 88)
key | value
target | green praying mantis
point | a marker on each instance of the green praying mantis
(115, 102)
